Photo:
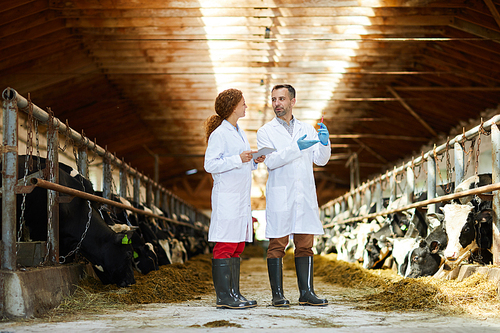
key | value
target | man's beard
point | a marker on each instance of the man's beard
(280, 113)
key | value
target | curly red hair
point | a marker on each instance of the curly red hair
(225, 104)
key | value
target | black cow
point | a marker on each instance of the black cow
(145, 259)
(80, 223)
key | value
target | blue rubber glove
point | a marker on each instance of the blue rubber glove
(323, 134)
(304, 144)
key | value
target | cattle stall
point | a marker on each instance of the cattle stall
(413, 200)
(117, 180)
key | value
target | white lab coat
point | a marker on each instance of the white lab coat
(291, 201)
(231, 219)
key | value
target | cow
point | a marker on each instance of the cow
(145, 259)
(378, 247)
(81, 228)
(469, 223)
(427, 258)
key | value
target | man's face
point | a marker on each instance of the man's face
(282, 104)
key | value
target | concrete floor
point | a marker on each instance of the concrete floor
(194, 316)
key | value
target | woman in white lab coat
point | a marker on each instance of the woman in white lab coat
(230, 161)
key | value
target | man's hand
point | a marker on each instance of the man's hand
(304, 144)
(323, 134)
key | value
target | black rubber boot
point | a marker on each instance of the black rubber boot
(222, 276)
(275, 270)
(235, 282)
(304, 269)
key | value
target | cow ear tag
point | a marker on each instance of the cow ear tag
(125, 240)
(136, 255)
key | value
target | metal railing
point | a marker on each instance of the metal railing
(12, 103)
(363, 193)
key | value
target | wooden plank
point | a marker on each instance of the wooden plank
(257, 12)
(32, 34)
(14, 6)
(234, 22)
(249, 33)
(23, 9)
(160, 4)
(457, 89)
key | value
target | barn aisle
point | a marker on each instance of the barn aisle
(200, 315)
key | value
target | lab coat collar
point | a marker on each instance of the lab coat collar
(232, 129)
(296, 128)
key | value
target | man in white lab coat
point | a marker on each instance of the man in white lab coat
(291, 202)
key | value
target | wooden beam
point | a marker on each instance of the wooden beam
(493, 10)
(457, 89)
(165, 4)
(476, 30)
(378, 136)
(203, 183)
(412, 112)
(371, 151)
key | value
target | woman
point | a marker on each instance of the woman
(229, 159)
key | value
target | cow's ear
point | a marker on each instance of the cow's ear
(434, 247)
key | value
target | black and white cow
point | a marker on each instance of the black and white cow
(427, 258)
(80, 223)
(469, 224)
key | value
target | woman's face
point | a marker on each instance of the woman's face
(240, 108)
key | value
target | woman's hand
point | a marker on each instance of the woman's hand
(260, 159)
(247, 156)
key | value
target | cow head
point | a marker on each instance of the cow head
(459, 222)
(110, 270)
(425, 260)
(371, 253)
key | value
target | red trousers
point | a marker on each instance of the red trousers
(228, 250)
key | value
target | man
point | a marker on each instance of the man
(291, 202)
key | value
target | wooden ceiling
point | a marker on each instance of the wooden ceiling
(141, 76)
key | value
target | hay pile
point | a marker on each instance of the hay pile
(386, 291)
(171, 283)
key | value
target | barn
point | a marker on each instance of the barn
(119, 90)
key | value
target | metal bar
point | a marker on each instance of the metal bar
(9, 181)
(495, 167)
(149, 194)
(368, 197)
(53, 197)
(137, 189)
(107, 178)
(82, 162)
(43, 116)
(378, 197)
(123, 182)
(84, 195)
(392, 196)
(410, 185)
(157, 197)
(431, 182)
(448, 197)
(473, 132)
(459, 162)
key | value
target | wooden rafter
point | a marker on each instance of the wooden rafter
(412, 112)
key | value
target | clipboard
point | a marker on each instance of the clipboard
(263, 151)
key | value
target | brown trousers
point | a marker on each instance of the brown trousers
(303, 246)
